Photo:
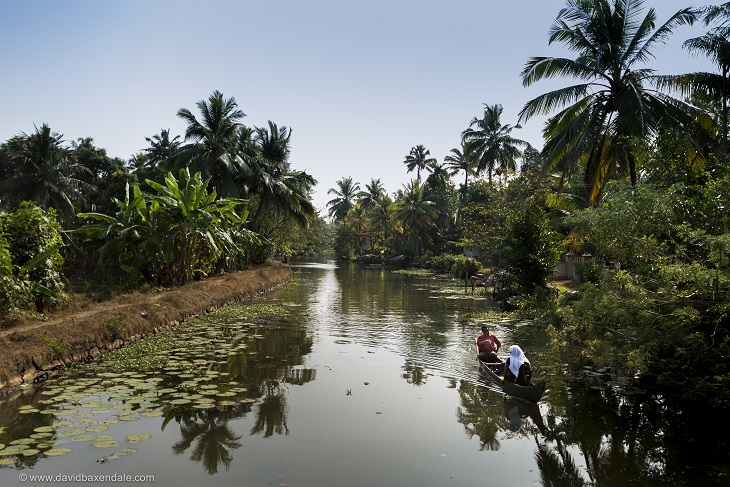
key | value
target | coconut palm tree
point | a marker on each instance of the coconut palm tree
(461, 160)
(44, 172)
(161, 147)
(614, 100)
(418, 159)
(715, 45)
(279, 193)
(346, 193)
(415, 211)
(490, 143)
(211, 150)
(382, 218)
(372, 194)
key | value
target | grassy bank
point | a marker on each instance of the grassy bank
(33, 351)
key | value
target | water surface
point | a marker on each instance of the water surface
(369, 380)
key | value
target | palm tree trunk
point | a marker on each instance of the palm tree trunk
(632, 169)
(724, 116)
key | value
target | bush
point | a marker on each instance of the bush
(441, 264)
(30, 259)
(456, 265)
(464, 266)
(532, 248)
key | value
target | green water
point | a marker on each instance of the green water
(347, 376)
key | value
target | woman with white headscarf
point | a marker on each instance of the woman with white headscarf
(517, 368)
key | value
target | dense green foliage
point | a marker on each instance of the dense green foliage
(173, 235)
(30, 259)
(176, 230)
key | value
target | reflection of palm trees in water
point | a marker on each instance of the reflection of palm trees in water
(214, 440)
(479, 417)
(413, 373)
(271, 414)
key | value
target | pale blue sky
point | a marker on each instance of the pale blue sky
(360, 83)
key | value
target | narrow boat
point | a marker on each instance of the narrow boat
(532, 392)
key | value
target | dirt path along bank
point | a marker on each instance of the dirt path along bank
(33, 351)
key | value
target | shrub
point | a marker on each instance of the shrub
(441, 264)
(464, 266)
(456, 265)
(32, 247)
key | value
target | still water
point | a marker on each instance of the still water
(370, 380)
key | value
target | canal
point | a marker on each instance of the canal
(356, 376)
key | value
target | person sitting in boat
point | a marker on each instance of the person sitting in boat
(488, 345)
(517, 368)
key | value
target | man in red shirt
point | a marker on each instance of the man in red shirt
(487, 345)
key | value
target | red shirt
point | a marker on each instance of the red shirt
(488, 343)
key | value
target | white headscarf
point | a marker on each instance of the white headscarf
(516, 359)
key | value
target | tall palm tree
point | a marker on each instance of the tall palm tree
(44, 172)
(490, 142)
(461, 160)
(213, 142)
(382, 218)
(346, 193)
(279, 193)
(161, 147)
(418, 159)
(715, 45)
(372, 194)
(613, 102)
(415, 211)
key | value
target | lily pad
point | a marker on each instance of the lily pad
(40, 436)
(84, 438)
(23, 441)
(13, 450)
(137, 438)
(151, 414)
(55, 452)
(71, 432)
(106, 444)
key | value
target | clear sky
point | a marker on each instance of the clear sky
(359, 83)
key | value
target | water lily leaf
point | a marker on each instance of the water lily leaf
(55, 452)
(151, 414)
(106, 444)
(137, 438)
(84, 438)
(13, 450)
(40, 436)
(23, 441)
(71, 432)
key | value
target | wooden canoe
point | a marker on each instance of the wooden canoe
(531, 393)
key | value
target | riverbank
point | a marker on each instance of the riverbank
(34, 351)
